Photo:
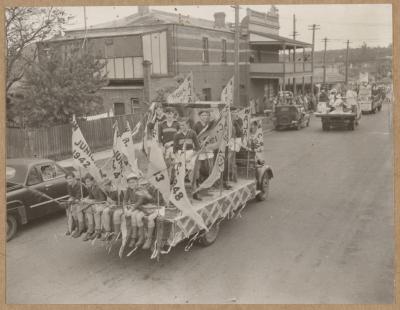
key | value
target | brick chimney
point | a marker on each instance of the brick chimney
(143, 9)
(219, 19)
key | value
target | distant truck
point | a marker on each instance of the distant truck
(369, 101)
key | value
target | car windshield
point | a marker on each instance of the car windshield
(20, 173)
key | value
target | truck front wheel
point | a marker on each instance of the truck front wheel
(12, 226)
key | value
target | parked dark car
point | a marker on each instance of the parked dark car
(291, 116)
(34, 189)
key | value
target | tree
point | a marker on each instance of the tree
(57, 87)
(25, 26)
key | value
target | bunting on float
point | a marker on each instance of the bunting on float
(81, 153)
(219, 164)
(184, 93)
(178, 196)
(157, 173)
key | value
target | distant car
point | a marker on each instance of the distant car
(34, 189)
(291, 116)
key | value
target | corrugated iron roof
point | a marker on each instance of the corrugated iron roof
(273, 39)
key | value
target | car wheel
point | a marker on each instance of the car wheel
(264, 188)
(12, 226)
(210, 236)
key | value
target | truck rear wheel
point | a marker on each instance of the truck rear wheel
(209, 237)
(12, 226)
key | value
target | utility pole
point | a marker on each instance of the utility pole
(347, 63)
(325, 42)
(313, 27)
(294, 27)
(236, 100)
(84, 20)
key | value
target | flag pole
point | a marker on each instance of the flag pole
(80, 177)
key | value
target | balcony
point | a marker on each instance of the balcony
(280, 69)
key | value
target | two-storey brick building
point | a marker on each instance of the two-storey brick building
(174, 45)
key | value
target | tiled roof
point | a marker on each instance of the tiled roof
(156, 17)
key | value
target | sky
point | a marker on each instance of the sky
(370, 23)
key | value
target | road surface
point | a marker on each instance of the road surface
(326, 235)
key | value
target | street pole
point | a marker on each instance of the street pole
(347, 64)
(325, 41)
(84, 20)
(236, 76)
(313, 28)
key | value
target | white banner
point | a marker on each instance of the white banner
(219, 164)
(157, 173)
(184, 93)
(81, 154)
(245, 116)
(118, 168)
(179, 196)
(227, 93)
(127, 148)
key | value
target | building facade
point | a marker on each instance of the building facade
(147, 51)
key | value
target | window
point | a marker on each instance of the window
(128, 67)
(33, 177)
(205, 51)
(119, 108)
(124, 68)
(119, 68)
(155, 51)
(134, 104)
(50, 171)
(207, 94)
(223, 57)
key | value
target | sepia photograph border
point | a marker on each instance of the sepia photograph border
(396, 146)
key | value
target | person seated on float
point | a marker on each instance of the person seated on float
(148, 210)
(186, 142)
(96, 201)
(166, 132)
(339, 105)
(114, 203)
(76, 192)
(134, 198)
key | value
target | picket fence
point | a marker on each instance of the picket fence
(55, 142)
